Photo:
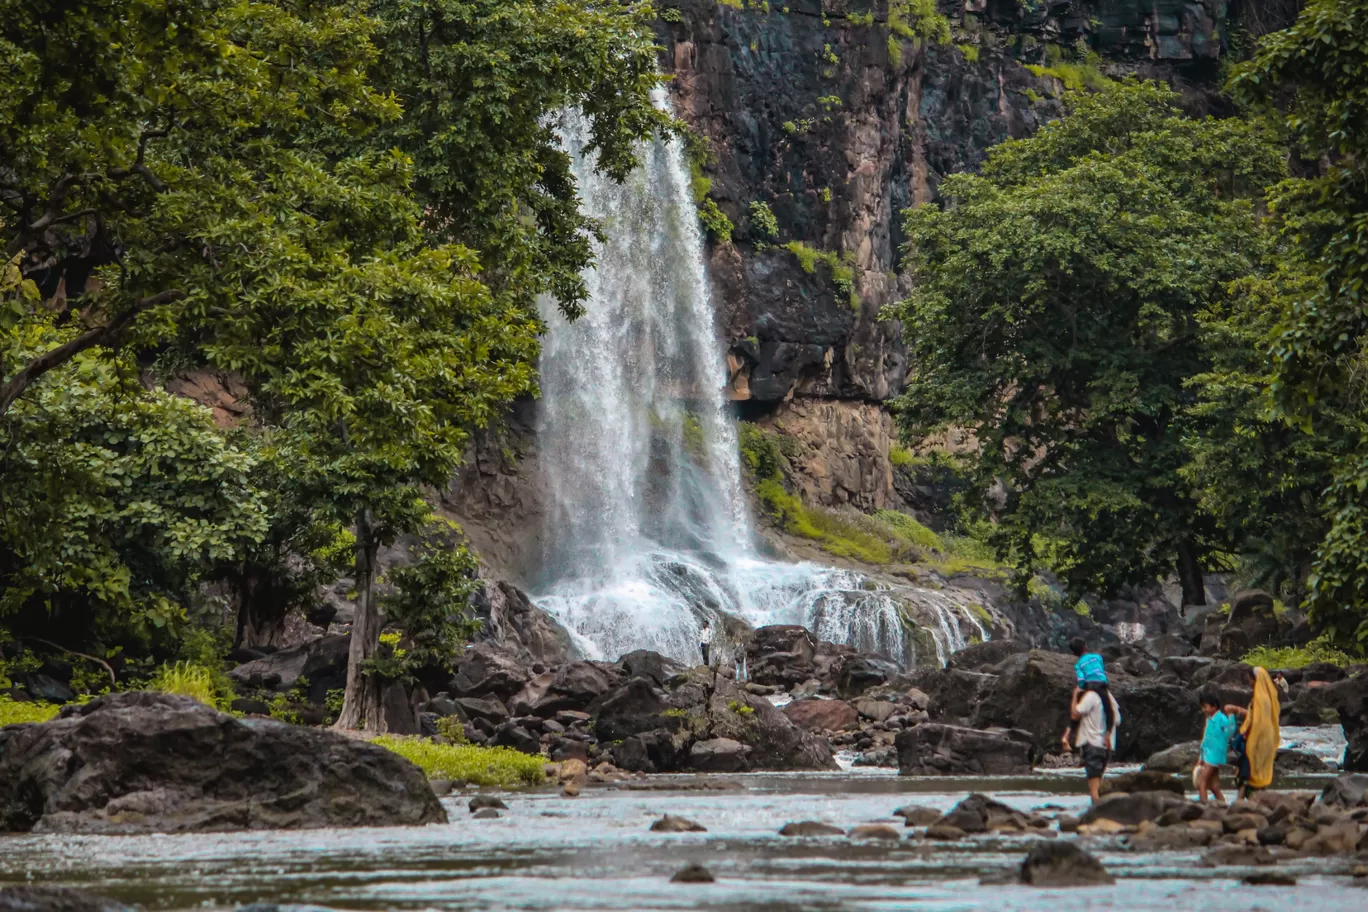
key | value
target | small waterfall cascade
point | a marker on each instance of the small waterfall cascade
(647, 527)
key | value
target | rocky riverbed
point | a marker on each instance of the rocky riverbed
(598, 851)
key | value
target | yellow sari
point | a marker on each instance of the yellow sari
(1260, 730)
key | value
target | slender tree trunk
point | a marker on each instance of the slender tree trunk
(1190, 574)
(361, 704)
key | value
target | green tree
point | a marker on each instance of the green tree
(1057, 315)
(1314, 78)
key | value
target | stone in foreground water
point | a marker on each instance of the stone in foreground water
(1063, 864)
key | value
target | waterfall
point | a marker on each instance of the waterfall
(647, 528)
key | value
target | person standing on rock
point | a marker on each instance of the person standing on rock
(705, 638)
(1090, 674)
(1259, 734)
(1098, 717)
(1220, 728)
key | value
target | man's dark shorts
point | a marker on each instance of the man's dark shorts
(1095, 761)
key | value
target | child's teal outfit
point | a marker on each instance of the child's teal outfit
(1220, 728)
(1089, 670)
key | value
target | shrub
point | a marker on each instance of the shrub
(901, 456)
(1318, 650)
(762, 220)
(500, 767)
(13, 712)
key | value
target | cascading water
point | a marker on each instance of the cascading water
(647, 530)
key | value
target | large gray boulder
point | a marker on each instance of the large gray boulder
(322, 662)
(160, 763)
(933, 749)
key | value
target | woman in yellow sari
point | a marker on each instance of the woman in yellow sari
(1260, 733)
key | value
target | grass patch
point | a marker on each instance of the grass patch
(1318, 650)
(189, 680)
(13, 712)
(500, 767)
(1077, 75)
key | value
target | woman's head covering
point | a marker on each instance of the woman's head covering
(1260, 729)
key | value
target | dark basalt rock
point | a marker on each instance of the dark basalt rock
(933, 749)
(322, 661)
(518, 627)
(782, 654)
(980, 814)
(488, 670)
(648, 752)
(1063, 864)
(56, 899)
(1132, 809)
(652, 665)
(147, 763)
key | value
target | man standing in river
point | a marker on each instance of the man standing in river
(1095, 739)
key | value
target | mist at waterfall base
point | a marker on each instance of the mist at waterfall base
(647, 528)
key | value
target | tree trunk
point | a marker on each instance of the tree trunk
(261, 609)
(361, 704)
(1190, 574)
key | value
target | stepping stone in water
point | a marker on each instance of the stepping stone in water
(694, 873)
(486, 801)
(672, 824)
(485, 814)
(874, 831)
(810, 828)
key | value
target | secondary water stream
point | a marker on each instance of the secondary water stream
(597, 852)
(648, 529)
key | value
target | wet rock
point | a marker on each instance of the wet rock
(1142, 781)
(1237, 823)
(563, 749)
(486, 813)
(652, 665)
(1132, 809)
(1269, 879)
(1175, 838)
(510, 734)
(1339, 838)
(693, 873)
(823, 715)
(145, 762)
(488, 670)
(944, 832)
(934, 749)
(781, 655)
(1180, 758)
(481, 802)
(874, 831)
(859, 673)
(637, 706)
(1180, 814)
(671, 824)
(915, 815)
(978, 813)
(810, 828)
(573, 686)
(1346, 791)
(519, 628)
(648, 752)
(34, 898)
(1063, 864)
(1295, 761)
(1068, 823)
(570, 790)
(953, 695)
(1351, 701)
(718, 755)
(441, 787)
(322, 662)
(984, 656)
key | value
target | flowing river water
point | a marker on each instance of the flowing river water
(597, 852)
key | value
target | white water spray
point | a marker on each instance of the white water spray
(648, 534)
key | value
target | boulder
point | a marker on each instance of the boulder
(648, 752)
(637, 706)
(810, 828)
(781, 654)
(148, 762)
(35, 898)
(1131, 809)
(1351, 701)
(693, 873)
(44, 687)
(874, 831)
(487, 708)
(646, 664)
(1346, 791)
(823, 715)
(933, 749)
(1033, 690)
(573, 686)
(718, 755)
(518, 628)
(984, 656)
(488, 670)
(916, 815)
(322, 662)
(1180, 758)
(510, 734)
(524, 702)
(952, 694)
(480, 802)
(978, 813)
(485, 814)
(1295, 761)
(876, 710)
(1063, 864)
(858, 673)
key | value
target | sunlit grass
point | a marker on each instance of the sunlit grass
(500, 767)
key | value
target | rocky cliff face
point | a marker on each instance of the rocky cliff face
(828, 116)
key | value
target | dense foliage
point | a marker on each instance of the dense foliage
(1059, 311)
(346, 208)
